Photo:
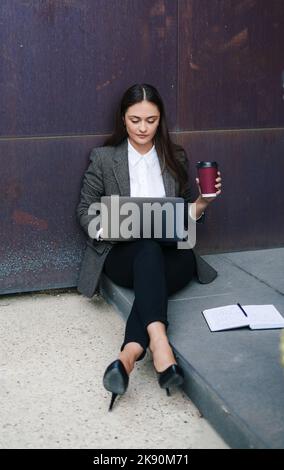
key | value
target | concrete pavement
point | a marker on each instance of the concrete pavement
(55, 347)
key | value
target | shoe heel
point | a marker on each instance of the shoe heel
(113, 397)
(115, 380)
(172, 376)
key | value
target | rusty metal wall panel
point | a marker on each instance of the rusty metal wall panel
(249, 213)
(231, 64)
(65, 63)
(40, 179)
(41, 240)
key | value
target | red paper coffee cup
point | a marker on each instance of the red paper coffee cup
(207, 174)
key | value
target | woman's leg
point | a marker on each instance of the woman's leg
(119, 268)
(180, 268)
(140, 265)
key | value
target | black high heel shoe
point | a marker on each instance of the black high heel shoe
(115, 380)
(172, 376)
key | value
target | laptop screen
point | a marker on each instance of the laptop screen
(130, 218)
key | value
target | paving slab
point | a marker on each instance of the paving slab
(267, 266)
(235, 377)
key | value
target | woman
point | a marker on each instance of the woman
(139, 159)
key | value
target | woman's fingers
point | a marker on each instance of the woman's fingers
(219, 184)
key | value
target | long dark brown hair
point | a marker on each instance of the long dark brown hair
(165, 148)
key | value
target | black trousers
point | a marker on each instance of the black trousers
(154, 270)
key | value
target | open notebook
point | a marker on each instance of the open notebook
(256, 317)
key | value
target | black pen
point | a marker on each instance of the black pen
(239, 305)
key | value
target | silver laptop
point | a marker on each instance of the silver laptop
(131, 218)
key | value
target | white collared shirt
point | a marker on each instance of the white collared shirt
(145, 173)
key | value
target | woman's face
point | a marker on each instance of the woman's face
(142, 120)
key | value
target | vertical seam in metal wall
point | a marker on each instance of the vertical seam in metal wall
(177, 126)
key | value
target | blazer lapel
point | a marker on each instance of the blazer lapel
(121, 169)
(169, 183)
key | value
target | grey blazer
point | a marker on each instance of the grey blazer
(108, 174)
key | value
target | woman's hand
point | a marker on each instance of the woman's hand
(218, 186)
(99, 235)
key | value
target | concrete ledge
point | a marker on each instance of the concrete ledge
(233, 377)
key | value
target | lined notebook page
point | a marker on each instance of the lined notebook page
(225, 318)
(263, 316)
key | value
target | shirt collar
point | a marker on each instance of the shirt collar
(135, 157)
